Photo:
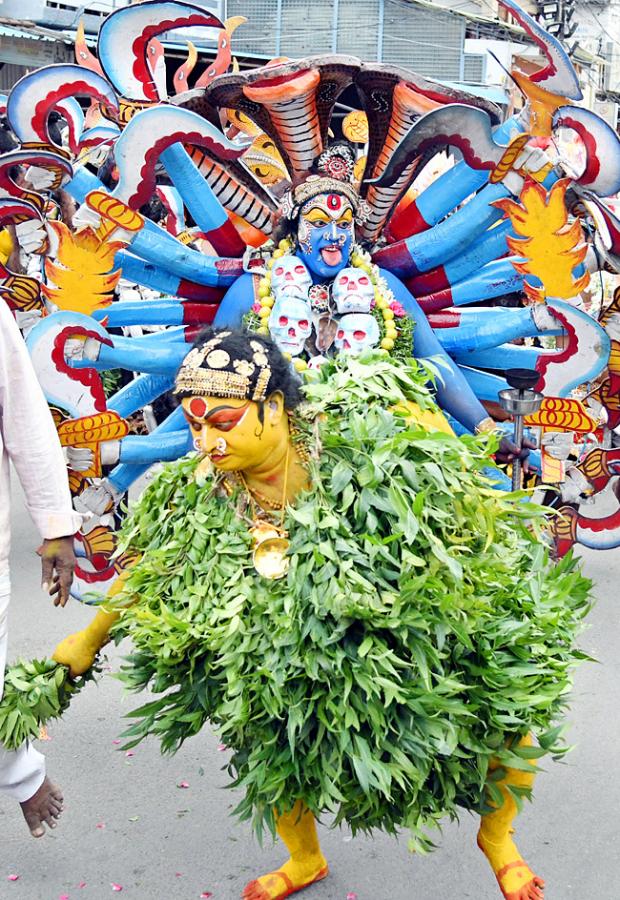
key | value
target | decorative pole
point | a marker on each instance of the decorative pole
(520, 400)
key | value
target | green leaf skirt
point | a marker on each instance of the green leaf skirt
(420, 630)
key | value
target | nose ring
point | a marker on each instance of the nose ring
(220, 445)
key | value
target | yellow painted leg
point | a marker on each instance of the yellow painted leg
(297, 829)
(515, 878)
(78, 651)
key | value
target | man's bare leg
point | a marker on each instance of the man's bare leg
(515, 878)
(43, 808)
(306, 865)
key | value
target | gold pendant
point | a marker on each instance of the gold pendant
(270, 552)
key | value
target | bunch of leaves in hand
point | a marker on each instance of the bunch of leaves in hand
(419, 632)
(34, 693)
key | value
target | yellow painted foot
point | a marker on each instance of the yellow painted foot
(78, 651)
(515, 878)
(292, 877)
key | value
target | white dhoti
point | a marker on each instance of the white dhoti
(21, 771)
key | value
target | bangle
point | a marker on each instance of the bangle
(485, 426)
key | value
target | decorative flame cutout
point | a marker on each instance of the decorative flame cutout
(551, 247)
(181, 76)
(81, 278)
(224, 56)
(83, 55)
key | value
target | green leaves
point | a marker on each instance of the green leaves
(419, 629)
(34, 693)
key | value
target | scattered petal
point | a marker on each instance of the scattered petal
(13, 877)
(64, 897)
(183, 784)
(351, 895)
(116, 887)
(43, 734)
(116, 743)
(178, 874)
(222, 747)
(206, 894)
(100, 825)
(82, 884)
(133, 818)
(129, 754)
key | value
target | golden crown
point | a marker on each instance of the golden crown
(210, 371)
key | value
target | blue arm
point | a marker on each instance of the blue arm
(159, 357)
(124, 474)
(453, 392)
(139, 449)
(138, 393)
(237, 301)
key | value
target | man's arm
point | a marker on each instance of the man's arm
(30, 439)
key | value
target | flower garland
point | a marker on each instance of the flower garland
(395, 326)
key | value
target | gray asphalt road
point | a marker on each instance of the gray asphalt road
(128, 823)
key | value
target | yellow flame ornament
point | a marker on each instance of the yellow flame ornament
(81, 279)
(551, 247)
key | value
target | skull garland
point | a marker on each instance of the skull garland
(353, 291)
(290, 278)
(357, 332)
(290, 323)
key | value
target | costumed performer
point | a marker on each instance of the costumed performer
(375, 632)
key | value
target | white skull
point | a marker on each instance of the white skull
(290, 324)
(289, 278)
(353, 291)
(357, 332)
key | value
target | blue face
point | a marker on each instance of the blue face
(326, 235)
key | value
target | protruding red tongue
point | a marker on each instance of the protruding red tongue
(331, 256)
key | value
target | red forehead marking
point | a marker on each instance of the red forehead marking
(334, 201)
(198, 407)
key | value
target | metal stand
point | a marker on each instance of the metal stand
(520, 400)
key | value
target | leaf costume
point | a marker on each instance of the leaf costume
(419, 633)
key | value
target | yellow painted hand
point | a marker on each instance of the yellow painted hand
(429, 419)
(78, 651)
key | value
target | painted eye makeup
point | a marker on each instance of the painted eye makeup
(224, 418)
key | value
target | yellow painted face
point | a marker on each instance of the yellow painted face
(231, 433)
